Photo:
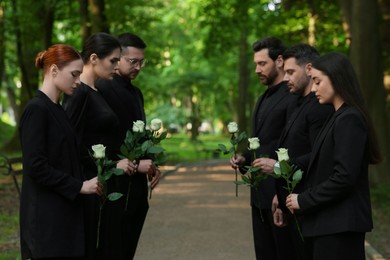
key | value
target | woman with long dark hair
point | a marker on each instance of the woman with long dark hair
(336, 203)
(96, 123)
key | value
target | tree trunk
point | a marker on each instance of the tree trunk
(85, 22)
(195, 117)
(98, 17)
(243, 109)
(48, 22)
(2, 45)
(366, 56)
(30, 39)
(243, 82)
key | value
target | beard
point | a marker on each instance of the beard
(301, 85)
(270, 78)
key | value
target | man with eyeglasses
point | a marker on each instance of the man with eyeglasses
(127, 102)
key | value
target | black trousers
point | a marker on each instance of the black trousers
(341, 246)
(271, 242)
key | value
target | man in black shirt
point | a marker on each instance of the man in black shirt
(127, 102)
(270, 115)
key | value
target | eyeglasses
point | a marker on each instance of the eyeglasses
(135, 62)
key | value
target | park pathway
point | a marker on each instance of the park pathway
(194, 214)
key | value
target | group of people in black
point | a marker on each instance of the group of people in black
(313, 106)
(60, 196)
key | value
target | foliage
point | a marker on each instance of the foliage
(194, 48)
(6, 132)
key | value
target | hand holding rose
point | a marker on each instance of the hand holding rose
(266, 165)
(292, 202)
(92, 186)
(237, 161)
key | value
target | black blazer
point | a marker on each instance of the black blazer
(51, 210)
(336, 197)
(299, 135)
(270, 115)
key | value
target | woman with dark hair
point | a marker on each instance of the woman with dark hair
(336, 203)
(96, 123)
(51, 208)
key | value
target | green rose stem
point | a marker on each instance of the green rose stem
(235, 153)
(128, 193)
(100, 220)
(299, 229)
(100, 165)
(290, 189)
(256, 190)
(150, 188)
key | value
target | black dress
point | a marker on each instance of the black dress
(127, 102)
(51, 207)
(95, 123)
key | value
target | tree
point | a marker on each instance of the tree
(363, 19)
(26, 32)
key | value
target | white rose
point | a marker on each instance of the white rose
(138, 126)
(232, 127)
(254, 143)
(282, 154)
(99, 151)
(155, 124)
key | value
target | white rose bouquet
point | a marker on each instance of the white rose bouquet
(142, 142)
(105, 169)
(290, 173)
(234, 140)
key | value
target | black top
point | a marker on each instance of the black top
(94, 122)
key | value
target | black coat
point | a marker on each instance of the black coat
(336, 197)
(270, 116)
(51, 213)
(299, 135)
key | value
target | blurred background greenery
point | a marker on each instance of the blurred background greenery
(200, 73)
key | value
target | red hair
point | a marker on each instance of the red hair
(59, 54)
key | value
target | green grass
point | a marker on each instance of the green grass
(181, 149)
(379, 238)
(9, 220)
(6, 132)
